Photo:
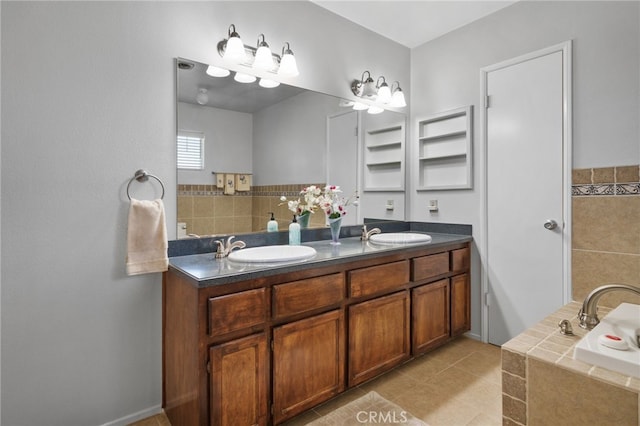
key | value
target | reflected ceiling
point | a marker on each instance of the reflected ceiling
(229, 94)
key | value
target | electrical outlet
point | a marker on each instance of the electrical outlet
(389, 205)
(433, 205)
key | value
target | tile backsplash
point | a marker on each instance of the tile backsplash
(606, 231)
(206, 210)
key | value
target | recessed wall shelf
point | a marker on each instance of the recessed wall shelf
(444, 150)
(384, 158)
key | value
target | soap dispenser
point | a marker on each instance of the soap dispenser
(294, 232)
(272, 225)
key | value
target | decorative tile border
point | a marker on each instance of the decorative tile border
(289, 190)
(607, 181)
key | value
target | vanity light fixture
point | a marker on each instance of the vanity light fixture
(378, 92)
(260, 58)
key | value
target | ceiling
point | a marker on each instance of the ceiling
(412, 23)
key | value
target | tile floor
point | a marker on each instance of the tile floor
(458, 384)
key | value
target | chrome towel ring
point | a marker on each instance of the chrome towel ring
(143, 176)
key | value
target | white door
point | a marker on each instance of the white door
(526, 193)
(342, 158)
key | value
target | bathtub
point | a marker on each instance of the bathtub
(624, 322)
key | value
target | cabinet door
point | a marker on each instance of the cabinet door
(378, 336)
(460, 304)
(430, 316)
(238, 382)
(308, 363)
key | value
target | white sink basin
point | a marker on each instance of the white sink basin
(400, 238)
(272, 254)
(624, 322)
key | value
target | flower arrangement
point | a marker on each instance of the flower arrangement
(333, 203)
(330, 200)
(311, 198)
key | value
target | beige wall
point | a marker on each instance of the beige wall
(606, 231)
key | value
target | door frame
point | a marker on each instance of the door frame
(567, 135)
(358, 154)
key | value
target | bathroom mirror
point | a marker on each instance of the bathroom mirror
(257, 144)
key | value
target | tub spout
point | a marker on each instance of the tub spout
(588, 314)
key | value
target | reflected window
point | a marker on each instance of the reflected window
(190, 150)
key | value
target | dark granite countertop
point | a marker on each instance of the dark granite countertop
(205, 270)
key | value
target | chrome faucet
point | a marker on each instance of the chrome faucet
(366, 234)
(588, 314)
(225, 248)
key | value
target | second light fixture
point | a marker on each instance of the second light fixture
(261, 58)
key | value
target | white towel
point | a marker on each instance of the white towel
(146, 238)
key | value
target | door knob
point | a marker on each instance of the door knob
(550, 224)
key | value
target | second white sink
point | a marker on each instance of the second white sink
(400, 238)
(272, 254)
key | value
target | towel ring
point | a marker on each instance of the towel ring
(143, 176)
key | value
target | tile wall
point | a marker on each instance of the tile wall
(207, 211)
(606, 231)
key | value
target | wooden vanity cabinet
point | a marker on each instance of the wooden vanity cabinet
(261, 351)
(239, 367)
(430, 316)
(378, 336)
(460, 304)
(308, 363)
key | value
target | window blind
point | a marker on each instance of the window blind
(190, 150)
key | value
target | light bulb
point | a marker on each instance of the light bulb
(384, 94)
(244, 78)
(288, 66)
(234, 49)
(359, 106)
(214, 71)
(263, 60)
(397, 100)
(374, 109)
(268, 83)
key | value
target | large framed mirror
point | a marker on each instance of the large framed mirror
(241, 147)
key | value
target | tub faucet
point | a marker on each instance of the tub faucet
(588, 314)
(225, 248)
(366, 234)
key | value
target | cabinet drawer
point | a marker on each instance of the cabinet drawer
(306, 295)
(237, 311)
(426, 267)
(367, 281)
(460, 259)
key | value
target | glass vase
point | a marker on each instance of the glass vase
(335, 225)
(303, 220)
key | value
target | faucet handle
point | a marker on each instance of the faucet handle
(220, 250)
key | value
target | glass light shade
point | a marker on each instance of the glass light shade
(264, 82)
(244, 78)
(374, 109)
(234, 51)
(369, 89)
(264, 60)
(397, 100)
(384, 94)
(202, 98)
(288, 66)
(359, 106)
(217, 71)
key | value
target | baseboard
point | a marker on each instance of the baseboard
(474, 336)
(143, 414)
